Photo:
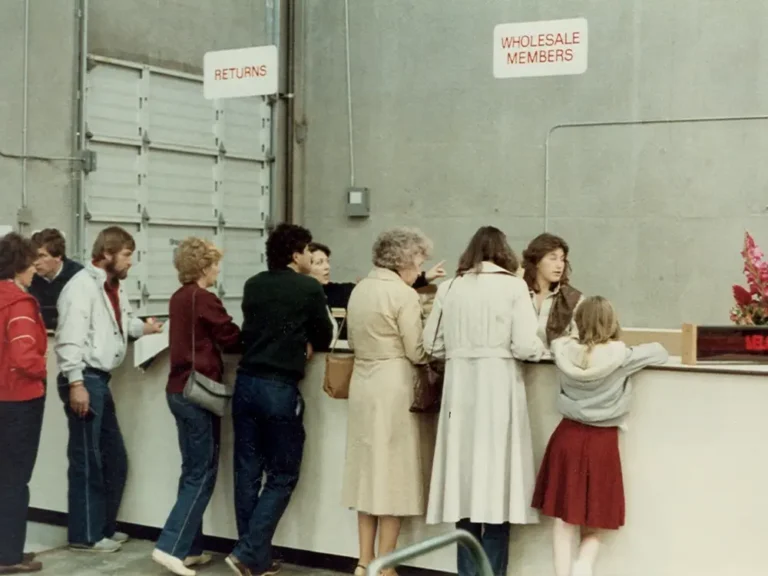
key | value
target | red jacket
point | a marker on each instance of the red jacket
(23, 342)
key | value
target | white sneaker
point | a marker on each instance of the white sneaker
(104, 546)
(175, 565)
(581, 569)
(120, 537)
(200, 560)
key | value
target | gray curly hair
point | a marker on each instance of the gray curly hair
(397, 248)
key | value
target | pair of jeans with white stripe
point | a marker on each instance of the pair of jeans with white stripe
(199, 436)
(98, 463)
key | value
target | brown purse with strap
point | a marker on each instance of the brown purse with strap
(338, 370)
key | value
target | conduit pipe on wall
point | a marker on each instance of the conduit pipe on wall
(660, 121)
(290, 107)
(350, 121)
(25, 111)
(273, 19)
(81, 136)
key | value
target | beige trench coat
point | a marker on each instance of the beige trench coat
(389, 449)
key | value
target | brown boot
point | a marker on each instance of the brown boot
(24, 567)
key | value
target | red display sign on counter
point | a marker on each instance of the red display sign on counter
(724, 344)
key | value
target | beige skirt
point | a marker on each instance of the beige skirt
(389, 449)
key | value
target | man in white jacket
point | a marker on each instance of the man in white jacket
(95, 322)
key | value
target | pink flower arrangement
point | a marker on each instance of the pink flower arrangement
(751, 308)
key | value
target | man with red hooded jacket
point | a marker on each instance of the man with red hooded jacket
(23, 344)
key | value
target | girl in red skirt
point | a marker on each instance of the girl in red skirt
(580, 482)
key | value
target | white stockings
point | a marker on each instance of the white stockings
(570, 559)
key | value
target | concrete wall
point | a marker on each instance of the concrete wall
(655, 215)
(174, 34)
(53, 44)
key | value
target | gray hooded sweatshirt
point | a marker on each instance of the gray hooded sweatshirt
(595, 387)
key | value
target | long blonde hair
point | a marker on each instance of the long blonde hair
(597, 322)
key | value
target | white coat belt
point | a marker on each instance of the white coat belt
(479, 353)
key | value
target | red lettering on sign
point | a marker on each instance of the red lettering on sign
(240, 73)
(551, 56)
(756, 343)
(541, 40)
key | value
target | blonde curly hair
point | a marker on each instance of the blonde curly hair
(397, 248)
(193, 256)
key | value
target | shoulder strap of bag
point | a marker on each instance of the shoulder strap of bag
(194, 321)
(440, 318)
(338, 334)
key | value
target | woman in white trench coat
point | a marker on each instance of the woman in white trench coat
(483, 474)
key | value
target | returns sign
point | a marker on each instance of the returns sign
(240, 73)
(546, 48)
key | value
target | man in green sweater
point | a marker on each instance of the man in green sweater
(284, 309)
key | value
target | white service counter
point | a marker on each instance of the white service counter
(695, 472)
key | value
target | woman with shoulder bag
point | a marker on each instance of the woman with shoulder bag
(200, 330)
(483, 474)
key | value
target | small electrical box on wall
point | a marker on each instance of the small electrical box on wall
(358, 202)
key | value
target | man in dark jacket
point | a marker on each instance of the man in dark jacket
(284, 310)
(54, 270)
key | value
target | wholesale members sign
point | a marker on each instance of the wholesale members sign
(546, 48)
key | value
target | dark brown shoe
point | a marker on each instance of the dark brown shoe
(238, 567)
(25, 567)
(242, 570)
(28, 556)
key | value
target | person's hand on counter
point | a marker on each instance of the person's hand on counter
(152, 326)
(437, 271)
(310, 351)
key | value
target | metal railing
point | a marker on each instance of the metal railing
(460, 536)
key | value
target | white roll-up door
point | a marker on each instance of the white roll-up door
(170, 164)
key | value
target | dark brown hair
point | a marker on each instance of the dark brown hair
(16, 255)
(539, 247)
(317, 247)
(489, 244)
(52, 241)
(111, 241)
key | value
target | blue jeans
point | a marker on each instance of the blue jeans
(98, 463)
(495, 541)
(269, 438)
(199, 436)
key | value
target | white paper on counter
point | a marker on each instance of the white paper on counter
(147, 347)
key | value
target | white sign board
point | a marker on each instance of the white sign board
(240, 73)
(546, 48)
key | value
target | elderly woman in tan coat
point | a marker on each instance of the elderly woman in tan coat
(389, 449)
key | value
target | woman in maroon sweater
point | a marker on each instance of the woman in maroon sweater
(193, 306)
(23, 345)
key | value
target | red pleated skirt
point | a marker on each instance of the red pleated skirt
(580, 478)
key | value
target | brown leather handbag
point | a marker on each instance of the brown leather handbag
(338, 370)
(428, 390)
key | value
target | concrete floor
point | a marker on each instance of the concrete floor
(134, 560)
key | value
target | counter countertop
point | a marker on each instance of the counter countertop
(674, 363)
